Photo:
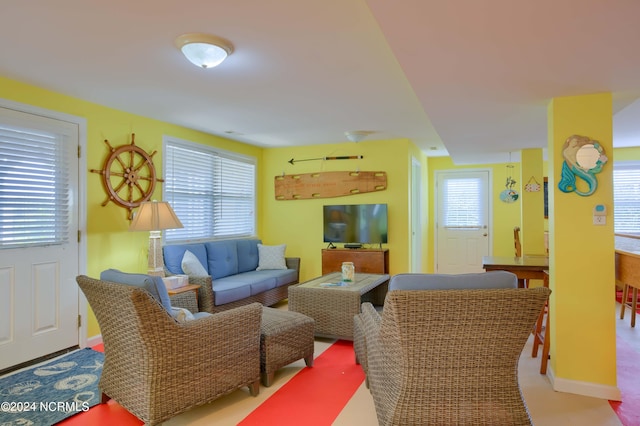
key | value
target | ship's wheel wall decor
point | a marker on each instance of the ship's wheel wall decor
(128, 175)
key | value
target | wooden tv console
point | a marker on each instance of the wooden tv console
(366, 261)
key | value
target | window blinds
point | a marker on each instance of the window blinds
(34, 187)
(463, 203)
(626, 197)
(212, 192)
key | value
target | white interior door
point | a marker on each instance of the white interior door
(462, 220)
(39, 250)
(416, 216)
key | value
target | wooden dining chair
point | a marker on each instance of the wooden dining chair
(516, 241)
(541, 332)
(631, 304)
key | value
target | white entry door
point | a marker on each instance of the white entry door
(462, 221)
(416, 216)
(39, 251)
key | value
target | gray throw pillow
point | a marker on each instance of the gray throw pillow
(271, 257)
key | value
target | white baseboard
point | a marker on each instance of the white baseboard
(94, 340)
(595, 390)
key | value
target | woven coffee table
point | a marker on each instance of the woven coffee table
(333, 307)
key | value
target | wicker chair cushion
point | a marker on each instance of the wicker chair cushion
(481, 280)
(153, 285)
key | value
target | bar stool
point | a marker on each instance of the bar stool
(624, 302)
(541, 334)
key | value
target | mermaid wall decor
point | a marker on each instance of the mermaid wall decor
(583, 158)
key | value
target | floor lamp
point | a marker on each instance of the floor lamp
(154, 216)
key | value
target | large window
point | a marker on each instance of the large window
(626, 197)
(212, 191)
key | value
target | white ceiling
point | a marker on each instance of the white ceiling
(465, 77)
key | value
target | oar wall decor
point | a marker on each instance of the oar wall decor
(344, 157)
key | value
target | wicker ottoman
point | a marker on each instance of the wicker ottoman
(285, 337)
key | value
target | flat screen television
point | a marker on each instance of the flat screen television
(355, 224)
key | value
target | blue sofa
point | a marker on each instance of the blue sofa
(233, 279)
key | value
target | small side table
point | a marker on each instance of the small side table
(185, 297)
(184, 289)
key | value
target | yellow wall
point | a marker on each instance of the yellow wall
(532, 203)
(298, 223)
(581, 263)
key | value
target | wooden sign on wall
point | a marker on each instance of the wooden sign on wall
(328, 184)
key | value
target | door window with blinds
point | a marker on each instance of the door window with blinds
(463, 203)
(626, 197)
(35, 183)
(462, 212)
(212, 191)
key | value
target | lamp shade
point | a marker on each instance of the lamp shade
(155, 216)
(203, 50)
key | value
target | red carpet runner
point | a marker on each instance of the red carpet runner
(315, 396)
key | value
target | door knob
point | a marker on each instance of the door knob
(485, 234)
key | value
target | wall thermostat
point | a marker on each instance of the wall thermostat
(600, 214)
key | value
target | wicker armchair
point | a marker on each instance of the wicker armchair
(450, 357)
(414, 281)
(156, 367)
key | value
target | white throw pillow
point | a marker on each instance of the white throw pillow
(271, 257)
(182, 315)
(192, 266)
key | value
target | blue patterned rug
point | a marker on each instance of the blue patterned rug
(52, 391)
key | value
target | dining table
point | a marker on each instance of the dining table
(528, 267)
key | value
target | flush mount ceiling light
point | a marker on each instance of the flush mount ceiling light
(357, 135)
(204, 50)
